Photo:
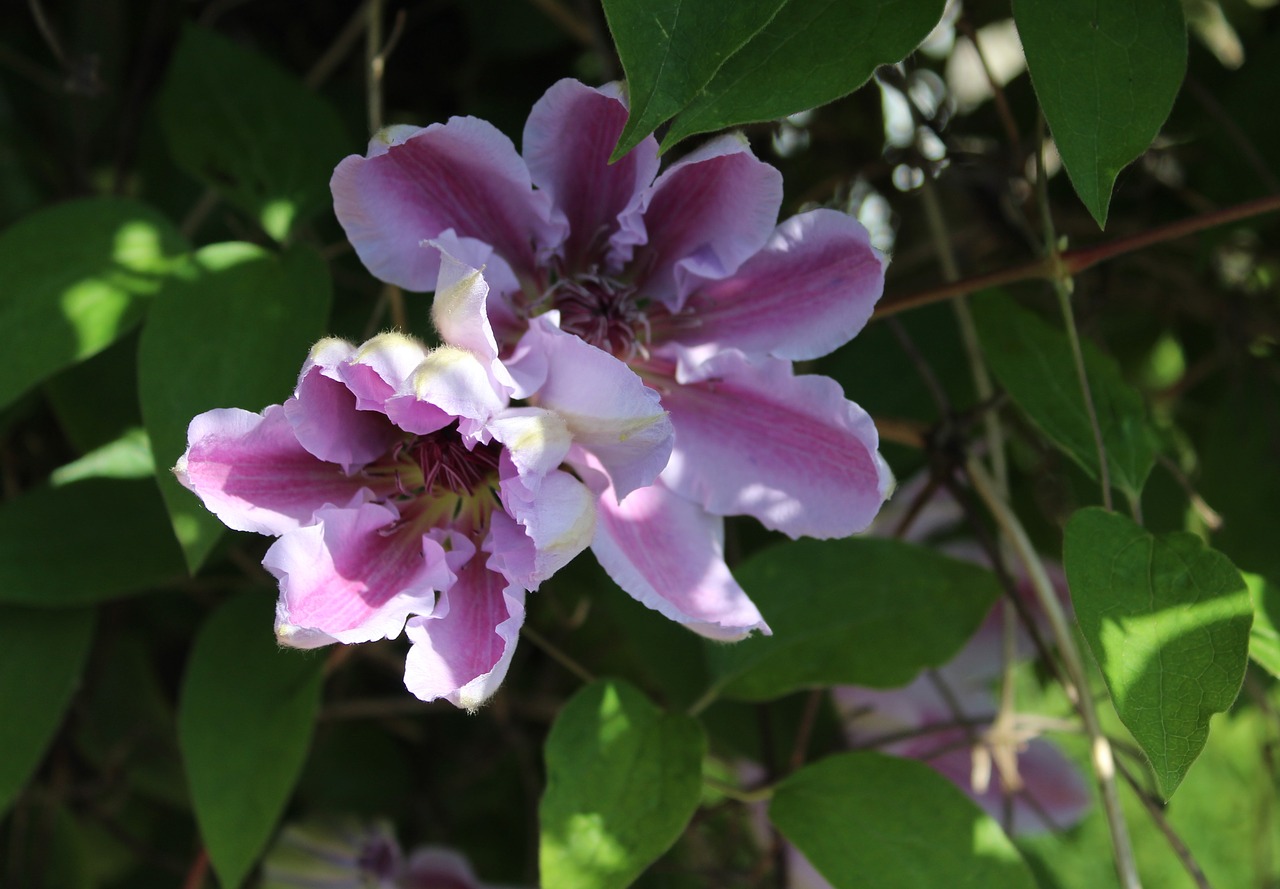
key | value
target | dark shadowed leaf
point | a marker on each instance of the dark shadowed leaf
(1167, 619)
(859, 611)
(713, 65)
(865, 819)
(1106, 75)
(76, 277)
(88, 541)
(233, 334)
(623, 779)
(245, 719)
(239, 123)
(1033, 362)
(41, 656)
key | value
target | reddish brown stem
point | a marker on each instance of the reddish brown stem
(1073, 262)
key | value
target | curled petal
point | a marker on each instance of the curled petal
(250, 471)
(355, 576)
(463, 655)
(705, 216)
(449, 383)
(380, 367)
(460, 315)
(609, 410)
(414, 184)
(568, 138)
(790, 450)
(537, 440)
(542, 529)
(326, 416)
(809, 291)
(669, 554)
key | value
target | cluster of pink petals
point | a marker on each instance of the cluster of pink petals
(408, 494)
(686, 278)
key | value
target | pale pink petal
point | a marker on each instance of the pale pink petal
(790, 450)
(449, 383)
(464, 175)
(464, 655)
(557, 518)
(609, 410)
(326, 417)
(353, 576)
(669, 554)
(249, 470)
(705, 216)
(569, 136)
(380, 367)
(809, 291)
(536, 439)
(461, 316)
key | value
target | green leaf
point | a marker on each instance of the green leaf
(1167, 619)
(623, 779)
(1264, 635)
(233, 334)
(1033, 362)
(129, 456)
(245, 719)
(76, 277)
(712, 65)
(672, 48)
(1106, 75)
(239, 123)
(865, 819)
(85, 542)
(42, 654)
(859, 611)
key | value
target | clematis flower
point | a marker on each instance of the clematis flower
(685, 277)
(407, 494)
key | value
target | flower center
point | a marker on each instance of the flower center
(435, 477)
(602, 311)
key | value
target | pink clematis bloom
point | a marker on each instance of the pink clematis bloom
(684, 276)
(407, 494)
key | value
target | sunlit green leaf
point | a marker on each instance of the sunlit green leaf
(85, 542)
(129, 456)
(1106, 75)
(859, 611)
(1167, 619)
(76, 277)
(1033, 362)
(233, 335)
(244, 724)
(42, 654)
(623, 779)
(239, 123)
(714, 65)
(865, 819)
(1264, 635)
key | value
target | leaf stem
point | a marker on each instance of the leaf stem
(1104, 766)
(1062, 286)
(1073, 262)
(759, 795)
(556, 654)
